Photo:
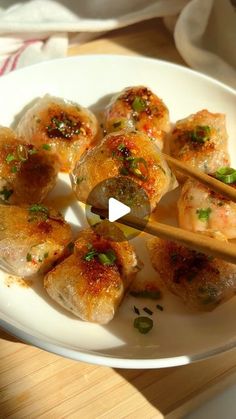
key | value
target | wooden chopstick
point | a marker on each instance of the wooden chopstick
(195, 241)
(212, 183)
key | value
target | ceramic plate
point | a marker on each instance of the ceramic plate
(178, 336)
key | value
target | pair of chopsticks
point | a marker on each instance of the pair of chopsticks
(195, 241)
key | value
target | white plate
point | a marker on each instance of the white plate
(178, 337)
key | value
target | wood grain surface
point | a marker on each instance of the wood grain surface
(34, 383)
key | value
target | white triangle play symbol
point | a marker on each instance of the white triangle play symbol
(116, 209)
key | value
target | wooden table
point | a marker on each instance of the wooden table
(34, 383)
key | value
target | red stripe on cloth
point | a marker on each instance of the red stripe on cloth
(4, 66)
(17, 55)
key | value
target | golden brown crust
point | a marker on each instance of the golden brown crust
(200, 140)
(32, 238)
(85, 285)
(138, 108)
(27, 175)
(67, 128)
(200, 281)
(113, 158)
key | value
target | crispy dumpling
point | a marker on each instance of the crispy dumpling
(201, 209)
(92, 282)
(131, 169)
(63, 127)
(200, 140)
(32, 238)
(27, 175)
(201, 282)
(138, 108)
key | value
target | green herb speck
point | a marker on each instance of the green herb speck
(29, 257)
(148, 311)
(203, 213)
(46, 147)
(10, 157)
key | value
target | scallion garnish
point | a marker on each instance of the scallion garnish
(136, 310)
(90, 255)
(138, 166)
(46, 147)
(226, 174)
(107, 258)
(200, 134)
(14, 169)
(148, 311)
(203, 213)
(121, 147)
(39, 208)
(6, 193)
(143, 324)
(29, 257)
(10, 157)
(116, 124)
(79, 179)
(139, 104)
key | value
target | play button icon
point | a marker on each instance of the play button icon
(118, 196)
(116, 209)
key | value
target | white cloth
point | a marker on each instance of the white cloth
(37, 30)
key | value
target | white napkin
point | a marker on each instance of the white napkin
(37, 30)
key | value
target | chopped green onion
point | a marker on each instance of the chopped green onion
(14, 169)
(139, 104)
(121, 147)
(107, 258)
(45, 256)
(203, 213)
(136, 310)
(46, 147)
(143, 324)
(117, 124)
(6, 193)
(138, 166)
(79, 179)
(59, 124)
(10, 157)
(226, 174)
(148, 311)
(159, 307)
(90, 255)
(29, 257)
(200, 134)
(39, 208)
(154, 295)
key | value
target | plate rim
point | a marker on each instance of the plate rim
(110, 360)
(93, 357)
(121, 57)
